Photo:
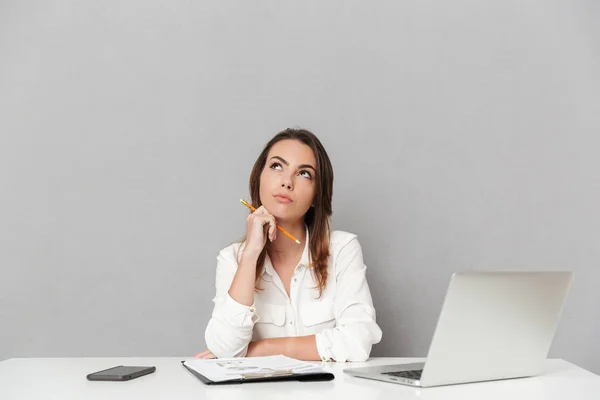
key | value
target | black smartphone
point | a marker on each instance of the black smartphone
(120, 373)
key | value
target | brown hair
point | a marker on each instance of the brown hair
(317, 217)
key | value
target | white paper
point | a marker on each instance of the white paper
(224, 369)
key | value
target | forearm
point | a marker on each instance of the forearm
(300, 348)
(229, 331)
(242, 286)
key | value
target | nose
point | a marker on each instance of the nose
(287, 183)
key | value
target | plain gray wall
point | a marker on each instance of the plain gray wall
(464, 135)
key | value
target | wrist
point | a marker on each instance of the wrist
(250, 256)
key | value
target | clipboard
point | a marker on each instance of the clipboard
(267, 377)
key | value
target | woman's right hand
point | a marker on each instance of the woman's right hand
(260, 226)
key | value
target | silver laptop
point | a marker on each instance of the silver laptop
(493, 325)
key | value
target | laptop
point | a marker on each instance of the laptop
(492, 326)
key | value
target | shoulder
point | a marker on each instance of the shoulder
(346, 253)
(342, 241)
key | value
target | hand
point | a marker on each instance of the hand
(206, 354)
(260, 226)
(255, 349)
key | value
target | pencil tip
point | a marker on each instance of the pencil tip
(297, 241)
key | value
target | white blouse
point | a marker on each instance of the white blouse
(343, 319)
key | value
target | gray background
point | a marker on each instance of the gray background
(464, 135)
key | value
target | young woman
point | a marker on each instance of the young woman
(308, 301)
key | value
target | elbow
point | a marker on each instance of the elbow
(224, 344)
(354, 354)
(360, 354)
(357, 342)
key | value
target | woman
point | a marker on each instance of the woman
(308, 301)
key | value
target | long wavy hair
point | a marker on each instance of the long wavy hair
(318, 215)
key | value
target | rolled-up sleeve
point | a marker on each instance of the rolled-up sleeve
(229, 330)
(356, 330)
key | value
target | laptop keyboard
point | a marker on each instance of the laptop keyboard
(414, 374)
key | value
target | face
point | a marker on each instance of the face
(287, 182)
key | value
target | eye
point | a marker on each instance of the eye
(306, 174)
(275, 165)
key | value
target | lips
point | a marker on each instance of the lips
(283, 198)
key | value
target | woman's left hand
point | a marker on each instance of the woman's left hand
(255, 349)
(206, 354)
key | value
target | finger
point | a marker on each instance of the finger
(269, 225)
(199, 355)
(264, 219)
(257, 220)
(260, 210)
(272, 228)
(205, 354)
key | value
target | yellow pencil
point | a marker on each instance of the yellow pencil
(244, 202)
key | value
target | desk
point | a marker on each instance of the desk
(65, 378)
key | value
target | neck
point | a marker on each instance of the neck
(283, 247)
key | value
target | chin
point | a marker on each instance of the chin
(280, 211)
(283, 212)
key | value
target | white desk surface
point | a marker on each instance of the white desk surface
(65, 378)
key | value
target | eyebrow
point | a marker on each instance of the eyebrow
(288, 164)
